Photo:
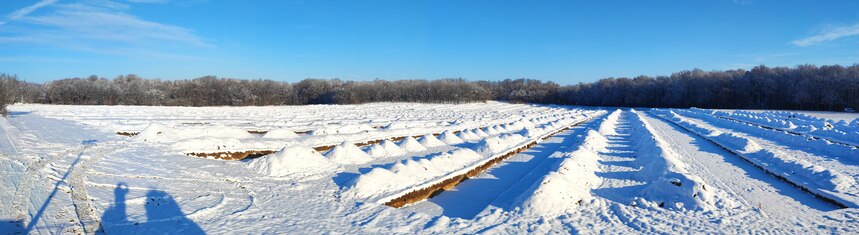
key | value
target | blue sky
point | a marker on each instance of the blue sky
(562, 41)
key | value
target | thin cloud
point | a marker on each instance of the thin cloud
(828, 35)
(96, 22)
(149, 1)
(115, 26)
(27, 10)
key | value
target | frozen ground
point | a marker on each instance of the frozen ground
(65, 170)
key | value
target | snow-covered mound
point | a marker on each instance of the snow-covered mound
(410, 144)
(381, 181)
(449, 138)
(391, 148)
(376, 151)
(280, 134)
(490, 146)
(347, 153)
(468, 135)
(430, 141)
(490, 131)
(479, 132)
(291, 160)
(512, 139)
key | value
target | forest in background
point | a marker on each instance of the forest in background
(802, 87)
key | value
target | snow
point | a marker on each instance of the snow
(672, 184)
(449, 138)
(490, 145)
(567, 186)
(430, 141)
(468, 135)
(391, 149)
(410, 144)
(67, 171)
(402, 175)
(822, 181)
(290, 160)
(347, 153)
(280, 134)
(377, 151)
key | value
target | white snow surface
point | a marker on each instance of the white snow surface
(64, 170)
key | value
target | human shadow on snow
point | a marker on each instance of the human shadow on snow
(163, 215)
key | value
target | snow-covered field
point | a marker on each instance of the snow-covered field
(424, 168)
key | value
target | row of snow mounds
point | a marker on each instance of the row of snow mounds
(840, 131)
(347, 153)
(414, 171)
(381, 181)
(383, 184)
(671, 185)
(570, 181)
(821, 145)
(161, 133)
(198, 139)
(820, 181)
(447, 137)
(346, 129)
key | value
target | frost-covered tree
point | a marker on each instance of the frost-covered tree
(800, 87)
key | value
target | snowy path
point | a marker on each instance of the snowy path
(501, 184)
(739, 179)
(848, 167)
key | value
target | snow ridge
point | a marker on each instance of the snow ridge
(818, 180)
(672, 185)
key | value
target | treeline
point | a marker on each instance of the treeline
(213, 91)
(801, 87)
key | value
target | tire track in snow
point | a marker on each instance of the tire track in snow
(26, 182)
(77, 179)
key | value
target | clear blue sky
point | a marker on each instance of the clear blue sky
(562, 41)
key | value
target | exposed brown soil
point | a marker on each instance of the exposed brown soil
(257, 132)
(195, 123)
(234, 156)
(127, 133)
